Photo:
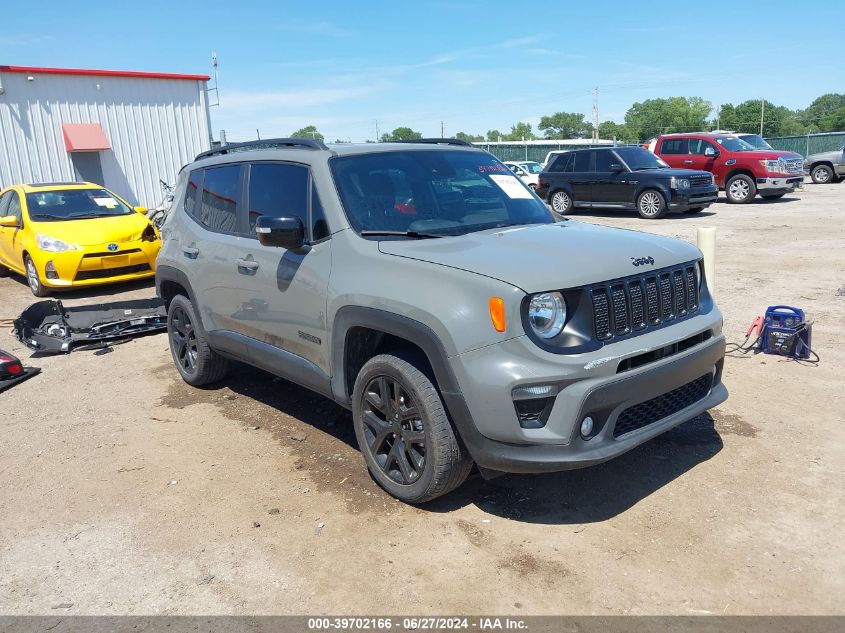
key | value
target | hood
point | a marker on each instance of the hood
(548, 256)
(118, 229)
(769, 154)
(832, 155)
(678, 173)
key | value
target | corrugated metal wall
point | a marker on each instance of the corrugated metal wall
(154, 126)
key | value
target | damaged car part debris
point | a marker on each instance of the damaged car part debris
(13, 372)
(49, 327)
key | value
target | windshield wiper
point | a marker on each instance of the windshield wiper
(48, 216)
(417, 235)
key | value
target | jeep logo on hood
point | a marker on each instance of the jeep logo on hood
(642, 261)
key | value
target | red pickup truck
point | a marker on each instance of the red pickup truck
(738, 167)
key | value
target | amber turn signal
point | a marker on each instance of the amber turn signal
(497, 313)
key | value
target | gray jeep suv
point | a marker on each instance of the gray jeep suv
(427, 289)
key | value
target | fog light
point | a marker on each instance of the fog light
(586, 427)
(51, 271)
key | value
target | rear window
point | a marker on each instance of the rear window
(563, 163)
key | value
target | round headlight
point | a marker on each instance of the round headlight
(547, 314)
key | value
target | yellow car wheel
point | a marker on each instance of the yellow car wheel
(33, 279)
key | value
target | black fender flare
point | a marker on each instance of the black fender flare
(423, 337)
(169, 273)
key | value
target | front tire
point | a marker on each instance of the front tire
(821, 174)
(561, 202)
(403, 431)
(740, 189)
(651, 205)
(4, 272)
(33, 278)
(196, 362)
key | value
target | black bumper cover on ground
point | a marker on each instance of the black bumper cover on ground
(48, 327)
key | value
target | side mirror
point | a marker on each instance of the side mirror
(288, 233)
(141, 210)
(9, 220)
(710, 152)
(616, 168)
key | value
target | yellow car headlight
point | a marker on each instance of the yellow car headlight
(51, 244)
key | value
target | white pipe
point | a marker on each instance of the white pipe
(705, 238)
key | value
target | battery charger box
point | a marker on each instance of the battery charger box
(786, 332)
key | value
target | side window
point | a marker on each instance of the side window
(604, 160)
(4, 203)
(675, 146)
(14, 206)
(563, 163)
(705, 145)
(696, 146)
(319, 226)
(278, 190)
(194, 183)
(582, 161)
(221, 193)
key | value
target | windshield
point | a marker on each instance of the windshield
(734, 144)
(435, 192)
(756, 141)
(638, 158)
(532, 168)
(74, 204)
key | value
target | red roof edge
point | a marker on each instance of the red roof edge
(99, 73)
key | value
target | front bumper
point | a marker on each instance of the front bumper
(780, 183)
(97, 265)
(693, 198)
(589, 386)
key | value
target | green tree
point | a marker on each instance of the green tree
(745, 117)
(494, 135)
(611, 129)
(520, 132)
(469, 138)
(827, 113)
(565, 125)
(675, 114)
(401, 134)
(309, 131)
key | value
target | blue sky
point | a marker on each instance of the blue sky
(473, 65)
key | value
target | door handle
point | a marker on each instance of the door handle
(247, 264)
(190, 252)
(687, 162)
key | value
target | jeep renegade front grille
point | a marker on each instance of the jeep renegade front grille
(636, 303)
(663, 406)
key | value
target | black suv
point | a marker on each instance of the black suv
(624, 178)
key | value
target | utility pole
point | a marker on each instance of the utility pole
(377, 136)
(596, 114)
(762, 111)
(258, 134)
(442, 130)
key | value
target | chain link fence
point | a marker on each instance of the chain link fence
(809, 143)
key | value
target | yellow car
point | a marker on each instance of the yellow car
(68, 235)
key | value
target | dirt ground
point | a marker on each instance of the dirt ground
(124, 491)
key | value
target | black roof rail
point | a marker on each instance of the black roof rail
(436, 141)
(270, 143)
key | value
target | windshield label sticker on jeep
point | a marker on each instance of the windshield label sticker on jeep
(511, 185)
(642, 261)
(106, 202)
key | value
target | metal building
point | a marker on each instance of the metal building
(124, 130)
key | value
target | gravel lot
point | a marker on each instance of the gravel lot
(124, 491)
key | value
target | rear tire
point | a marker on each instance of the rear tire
(821, 174)
(740, 189)
(34, 279)
(196, 362)
(403, 431)
(561, 202)
(651, 205)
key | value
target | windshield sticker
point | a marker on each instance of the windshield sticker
(511, 185)
(109, 203)
(489, 168)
